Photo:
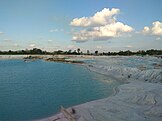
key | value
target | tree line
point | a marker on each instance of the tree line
(79, 52)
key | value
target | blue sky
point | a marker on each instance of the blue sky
(49, 25)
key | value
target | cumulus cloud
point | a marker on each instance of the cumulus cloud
(155, 29)
(102, 26)
(146, 30)
(106, 16)
(102, 32)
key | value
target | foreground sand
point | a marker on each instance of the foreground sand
(138, 99)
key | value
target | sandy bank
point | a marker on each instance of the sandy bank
(48, 57)
(12, 57)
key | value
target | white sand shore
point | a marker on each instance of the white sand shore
(12, 57)
(70, 57)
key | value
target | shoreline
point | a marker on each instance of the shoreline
(138, 98)
(133, 100)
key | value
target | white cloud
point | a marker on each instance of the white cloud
(106, 16)
(129, 46)
(7, 40)
(155, 29)
(56, 30)
(49, 40)
(102, 32)
(99, 47)
(16, 45)
(32, 45)
(1, 33)
(158, 38)
(102, 26)
(146, 30)
(53, 30)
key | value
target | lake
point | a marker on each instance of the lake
(34, 90)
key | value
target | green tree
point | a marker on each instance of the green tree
(78, 50)
(96, 52)
(88, 52)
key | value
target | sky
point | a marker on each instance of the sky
(104, 25)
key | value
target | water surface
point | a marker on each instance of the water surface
(33, 90)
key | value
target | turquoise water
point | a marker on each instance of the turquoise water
(33, 90)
